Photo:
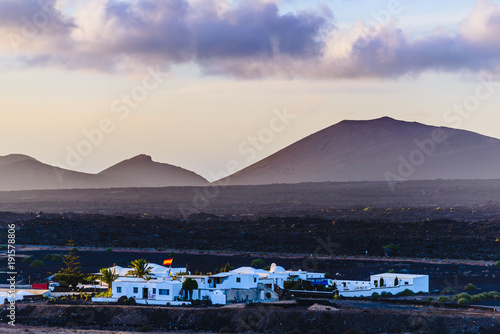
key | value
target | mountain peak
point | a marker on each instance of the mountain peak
(142, 157)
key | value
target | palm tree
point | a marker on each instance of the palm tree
(108, 275)
(140, 268)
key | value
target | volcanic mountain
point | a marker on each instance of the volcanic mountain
(21, 172)
(382, 149)
(142, 171)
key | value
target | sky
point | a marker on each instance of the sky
(217, 85)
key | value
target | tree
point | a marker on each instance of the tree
(189, 285)
(391, 248)
(226, 268)
(257, 263)
(140, 268)
(71, 275)
(108, 275)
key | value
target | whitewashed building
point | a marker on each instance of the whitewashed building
(386, 282)
(159, 291)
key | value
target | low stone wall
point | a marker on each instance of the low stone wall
(257, 319)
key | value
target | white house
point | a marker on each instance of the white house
(159, 291)
(387, 282)
(235, 286)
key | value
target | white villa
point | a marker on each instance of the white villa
(247, 284)
(387, 282)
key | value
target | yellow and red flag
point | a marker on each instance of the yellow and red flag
(167, 262)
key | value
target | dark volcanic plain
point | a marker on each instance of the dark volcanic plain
(436, 219)
(309, 226)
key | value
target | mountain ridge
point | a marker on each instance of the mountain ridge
(22, 172)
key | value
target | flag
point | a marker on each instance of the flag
(167, 262)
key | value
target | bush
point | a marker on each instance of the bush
(257, 263)
(463, 301)
(48, 257)
(392, 271)
(57, 257)
(430, 299)
(375, 296)
(4, 247)
(27, 259)
(443, 299)
(291, 285)
(447, 290)
(463, 295)
(392, 247)
(493, 295)
(37, 263)
(107, 293)
(406, 292)
(497, 264)
(171, 254)
(470, 286)
(109, 249)
(479, 297)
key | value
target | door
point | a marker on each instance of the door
(144, 293)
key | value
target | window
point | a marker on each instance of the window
(254, 279)
(406, 283)
(164, 292)
(238, 279)
(154, 291)
(136, 289)
(118, 289)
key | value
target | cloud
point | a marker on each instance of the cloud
(252, 39)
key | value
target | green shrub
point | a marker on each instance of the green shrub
(48, 257)
(430, 299)
(479, 298)
(463, 295)
(4, 247)
(37, 263)
(497, 264)
(463, 301)
(258, 263)
(107, 293)
(27, 259)
(470, 286)
(57, 257)
(375, 296)
(493, 295)
(109, 249)
(392, 271)
(74, 249)
(392, 247)
(171, 254)
(406, 292)
(447, 290)
(443, 299)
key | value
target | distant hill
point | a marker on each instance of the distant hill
(21, 172)
(142, 171)
(378, 150)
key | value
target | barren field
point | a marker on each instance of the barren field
(474, 200)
